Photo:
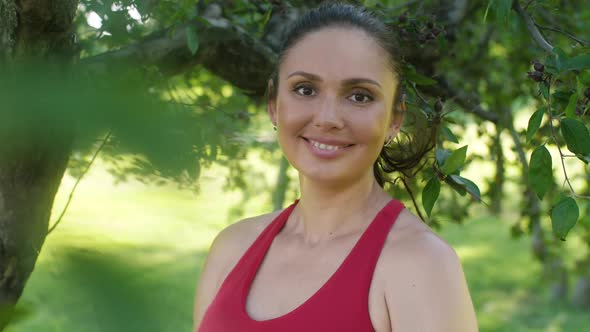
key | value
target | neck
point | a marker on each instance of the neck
(325, 212)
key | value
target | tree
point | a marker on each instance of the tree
(148, 80)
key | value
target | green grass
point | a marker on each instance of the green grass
(127, 258)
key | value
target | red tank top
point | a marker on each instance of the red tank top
(341, 304)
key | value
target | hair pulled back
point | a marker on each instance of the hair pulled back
(405, 152)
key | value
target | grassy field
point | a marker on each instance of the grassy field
(127, 258)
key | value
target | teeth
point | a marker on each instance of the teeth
(324, 146)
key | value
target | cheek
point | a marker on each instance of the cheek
(371, 128)
(291, 115)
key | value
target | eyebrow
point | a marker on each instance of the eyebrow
(350, 81)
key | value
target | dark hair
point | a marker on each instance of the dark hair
(395, 157)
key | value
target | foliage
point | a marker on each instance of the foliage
(486, 52)
(478, 66)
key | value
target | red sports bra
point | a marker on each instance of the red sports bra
(341, 304)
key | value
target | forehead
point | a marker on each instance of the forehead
(339, 53)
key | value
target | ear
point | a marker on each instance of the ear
(398, 118)
(271, 105)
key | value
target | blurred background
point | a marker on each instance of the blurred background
(132, 132)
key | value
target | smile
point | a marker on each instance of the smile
(324, 150)
(325, 146)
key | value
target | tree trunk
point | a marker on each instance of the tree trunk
(278, 197)
(581, 292)
(497, 190)
(29, 179)
(33, 158)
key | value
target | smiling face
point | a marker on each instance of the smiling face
(333, 107)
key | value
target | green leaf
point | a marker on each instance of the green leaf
(412, 75)
(570, 110)
(467, 186)
(502, 9)
(576, 63)
(449, 134)
(454, 161)
(576, 136)
(456, 182)
(560, 58)
(564, 216)
(534, 124)
(541, 171)
(485, 13)
(192, 38)
(472, 189)
(430, 194)
(584, 158)
(441, 155)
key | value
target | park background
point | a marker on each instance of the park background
(127, 252)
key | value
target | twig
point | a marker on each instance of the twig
(484, 43)
(472, 105)
(528, 4)
(418, 94)
(530, 24)
(578, 40)
(413, 199)
(561, 155)
(63, 212)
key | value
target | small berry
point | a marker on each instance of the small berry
(438, 106)
(403, 18)
(535, 76)
(587, 92)
(539, 67)
(430, 24)
(579, 111)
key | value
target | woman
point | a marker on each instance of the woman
(345, 256)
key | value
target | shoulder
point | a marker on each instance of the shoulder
(233, 241)
(424, 284)
(225, 251)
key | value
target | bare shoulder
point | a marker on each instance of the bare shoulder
(424, 284)
(233, 241)
(225, 251)
(236, 238)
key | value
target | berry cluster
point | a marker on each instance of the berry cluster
(538, 74)
(425, 32)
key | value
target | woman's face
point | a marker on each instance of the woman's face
(333, 107)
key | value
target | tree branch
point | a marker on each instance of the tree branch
(225, 49)
(63, 212)
(530, 24)
(561, 155)
(578, 40)
(469, 104)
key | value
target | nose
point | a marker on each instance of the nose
(328, 114)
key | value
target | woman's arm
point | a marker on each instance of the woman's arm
(208, 280)
(428, 291)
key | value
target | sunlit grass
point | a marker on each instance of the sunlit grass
(127, 258)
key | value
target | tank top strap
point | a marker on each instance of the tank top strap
(363, 258)
(247, 266)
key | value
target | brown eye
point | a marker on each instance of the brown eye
(304, 90)
(361, 98)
